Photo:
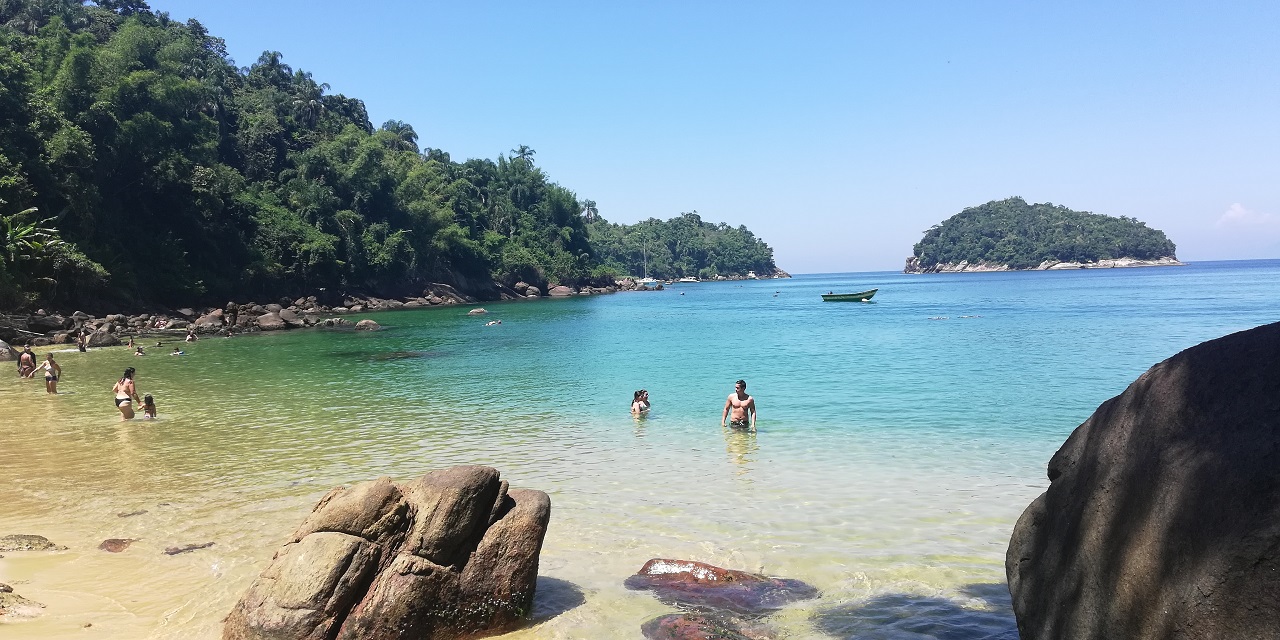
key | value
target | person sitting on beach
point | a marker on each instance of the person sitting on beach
(26, 363)
(148, 407)
(126, 394)
(640, 402)
(52, 371)
(177, 352)
(743, 408)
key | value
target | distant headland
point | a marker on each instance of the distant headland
(1012, 235)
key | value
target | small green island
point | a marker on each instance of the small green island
(1012, 235)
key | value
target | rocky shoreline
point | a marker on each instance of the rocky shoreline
(964, 266)
(44, 328)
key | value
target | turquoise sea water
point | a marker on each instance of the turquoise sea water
(898, 440)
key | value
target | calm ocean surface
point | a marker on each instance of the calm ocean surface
(898, 441)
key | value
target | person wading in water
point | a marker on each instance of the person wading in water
(126, 394)
(742, 406)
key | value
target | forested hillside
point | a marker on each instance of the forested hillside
(139, 164)
(683, 246)
(1020, 235)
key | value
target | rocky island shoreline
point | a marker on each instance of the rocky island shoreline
(964, 266)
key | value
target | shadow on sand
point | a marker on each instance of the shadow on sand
(983, 612)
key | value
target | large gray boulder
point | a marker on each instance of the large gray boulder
(49, 323)
(1162, 516)
(271, 322)
(290, 318)
(451, 555)
(560, 291)
(8, 353)
(211, 320)
(102, 338)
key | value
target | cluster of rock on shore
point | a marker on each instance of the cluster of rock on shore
(42, 328)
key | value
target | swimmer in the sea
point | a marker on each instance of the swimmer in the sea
(740, 408)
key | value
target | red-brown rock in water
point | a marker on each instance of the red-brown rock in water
(698, 585)
(1162, 516)
(698, 626)
(451, 555)
(116, 545)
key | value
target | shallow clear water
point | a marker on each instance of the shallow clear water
(898, 441)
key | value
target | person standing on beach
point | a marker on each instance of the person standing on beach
(740, 408)
(52, 371)
(26, 363)
(126, 394)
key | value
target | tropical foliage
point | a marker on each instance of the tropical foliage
(683, 246)
(158, 161)
(1022, 235)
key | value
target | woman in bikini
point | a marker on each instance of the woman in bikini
(52, 371)
(126, 394)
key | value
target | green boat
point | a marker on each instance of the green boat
(861, 296)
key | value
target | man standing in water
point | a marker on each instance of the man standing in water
(742, 406)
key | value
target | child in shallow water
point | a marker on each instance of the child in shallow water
(148, 406)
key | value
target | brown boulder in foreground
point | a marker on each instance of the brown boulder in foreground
(1162, 517)
(453, 554)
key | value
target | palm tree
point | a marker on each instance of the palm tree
(523, 152)
(405, 137)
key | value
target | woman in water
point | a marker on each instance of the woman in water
(126, 394)
(640, 402)
(52, 371)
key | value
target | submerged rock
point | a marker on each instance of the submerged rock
(367, 325)
(698, 585)
(16, 607)
(173, 551)
(1162, 516)
(24, 542)
(116, 545)
(451, 555)
(698, 626)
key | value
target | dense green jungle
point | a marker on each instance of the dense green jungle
(1022, 236)
(140, 166)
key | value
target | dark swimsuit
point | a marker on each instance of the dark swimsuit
(739, 423)
(120, 401)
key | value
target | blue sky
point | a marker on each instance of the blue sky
(837, 132)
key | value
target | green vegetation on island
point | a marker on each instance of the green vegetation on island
(682, 247)
(139, 165)
(1013, 234)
